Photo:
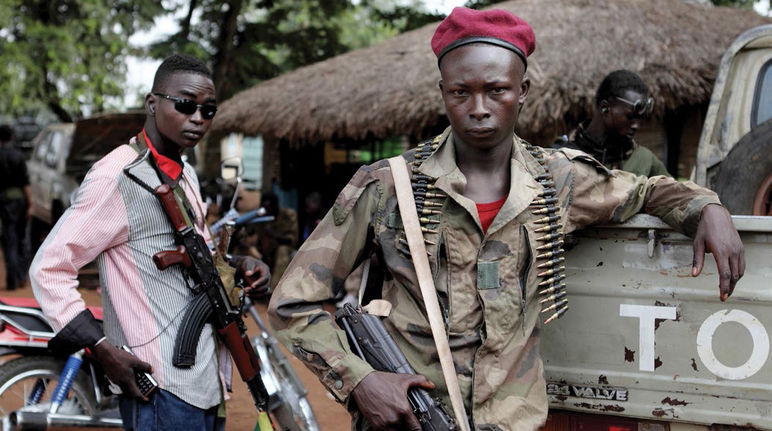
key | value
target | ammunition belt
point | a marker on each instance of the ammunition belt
(428, 200)
(550, 260)
(552, 270)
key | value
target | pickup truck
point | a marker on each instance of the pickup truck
(645, 346)
(62, 154)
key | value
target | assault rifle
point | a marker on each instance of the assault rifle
(371, 342)
(211, 302)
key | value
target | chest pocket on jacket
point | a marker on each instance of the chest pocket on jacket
(501, 263)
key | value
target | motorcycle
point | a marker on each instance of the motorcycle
(29, 382)
(39, 391)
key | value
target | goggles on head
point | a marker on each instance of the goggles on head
(641, 107)
(189, 107)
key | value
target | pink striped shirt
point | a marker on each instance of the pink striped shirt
(122, 225)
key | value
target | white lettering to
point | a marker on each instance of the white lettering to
(646, 315)
(758, 333)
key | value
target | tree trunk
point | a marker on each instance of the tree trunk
(185, 24)
(224, 46)
(51, 97)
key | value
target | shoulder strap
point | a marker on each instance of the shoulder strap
(426, 283)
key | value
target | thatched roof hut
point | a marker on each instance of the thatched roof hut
(391, 88)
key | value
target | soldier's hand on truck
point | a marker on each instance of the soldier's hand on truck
(119, 367)
(382, 400)
(256, 274)
(716, 234)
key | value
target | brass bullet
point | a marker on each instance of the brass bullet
(545, 201)
(553, 227)
(558, 295)
(554, 279)
(547, 192)
(552, 289)
(542, 177)
(552, 262)
(555, 305)
(548, 219)
(550, 254)
(552, 271)
(427, 220)
(549, 237)
(423, 185)
(556, 315)
(427, 211)
(554, 244)
(427, 230)
(545, 210)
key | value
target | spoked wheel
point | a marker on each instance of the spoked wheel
(22, 376)
(762, 204)
(290, 408)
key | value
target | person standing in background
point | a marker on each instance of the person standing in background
(622, 102)
(15, 208)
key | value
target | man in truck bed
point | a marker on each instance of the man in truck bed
(622, 102)
(497, 210)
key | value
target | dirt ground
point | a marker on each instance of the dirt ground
(241, 414)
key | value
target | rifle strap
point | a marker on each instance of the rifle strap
(415, 241)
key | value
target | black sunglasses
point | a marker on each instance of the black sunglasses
(641, 107)
(189, 107)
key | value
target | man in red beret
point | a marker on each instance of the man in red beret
(493, 214)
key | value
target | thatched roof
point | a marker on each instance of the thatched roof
(391, 88)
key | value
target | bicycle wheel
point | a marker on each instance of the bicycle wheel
(291, 410)
(20, 376)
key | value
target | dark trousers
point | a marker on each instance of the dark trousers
(13, 215)
(166, 412)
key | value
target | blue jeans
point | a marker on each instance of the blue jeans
(166, 412)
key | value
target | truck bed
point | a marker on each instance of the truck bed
(642, 338)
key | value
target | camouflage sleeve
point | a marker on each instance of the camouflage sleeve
(598, 195)
(333, 250)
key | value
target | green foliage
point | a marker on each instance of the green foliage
(479, 4)
(270, 37)
(66, 55)
(742, 4)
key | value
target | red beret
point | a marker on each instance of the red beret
(497, 27)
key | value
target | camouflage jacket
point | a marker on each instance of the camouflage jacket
(486, 283)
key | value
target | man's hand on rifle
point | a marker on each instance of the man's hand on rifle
(119, 367)
(257, 275)
(382, 400)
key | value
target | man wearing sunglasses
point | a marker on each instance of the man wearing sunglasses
(622, 102)
(117, 220)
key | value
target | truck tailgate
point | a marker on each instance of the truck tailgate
(642, 338)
